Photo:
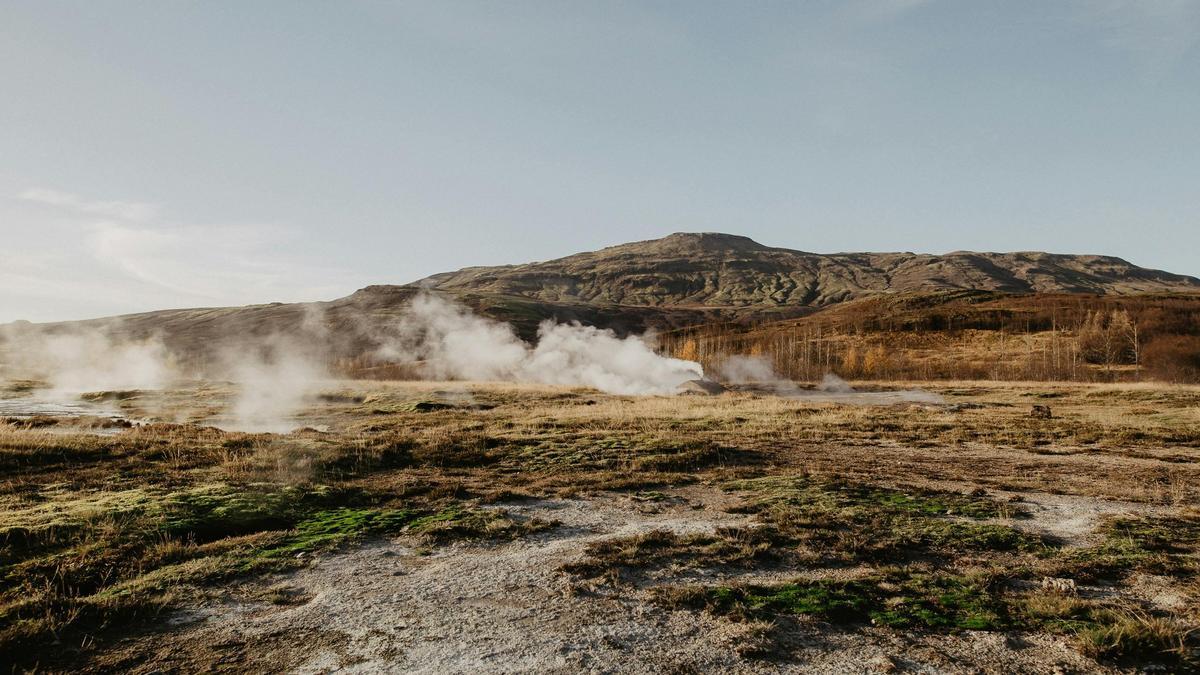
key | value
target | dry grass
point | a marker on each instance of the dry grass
(100, 531)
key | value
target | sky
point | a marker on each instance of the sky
(180, 154)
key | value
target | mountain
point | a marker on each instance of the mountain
(679, 280)
(729, 271)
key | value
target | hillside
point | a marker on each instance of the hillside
(970, 335)
(723, 270)
(665, 284)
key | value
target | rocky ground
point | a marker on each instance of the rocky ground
(490, 528)
(396, 606)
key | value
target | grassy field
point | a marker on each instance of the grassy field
(916, 518)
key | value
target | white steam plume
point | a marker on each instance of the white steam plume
(450, 342)
(277, 375)
(833, 384)
(758, 371)
(739, 369)
(275, 379)
(274, 376)
(85, 359)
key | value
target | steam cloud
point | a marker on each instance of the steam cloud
(84, 360)
(276, 375)
(833, 384)
(274, 382)
(758, 370)
(739, 369)
(272, 376)
(450, 342)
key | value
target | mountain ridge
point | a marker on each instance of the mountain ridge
(723, 270)
(680, 280)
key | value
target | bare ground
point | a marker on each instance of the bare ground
(83, 505)
(395, 607)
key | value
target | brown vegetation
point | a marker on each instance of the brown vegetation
(971, 335)
(102, 531)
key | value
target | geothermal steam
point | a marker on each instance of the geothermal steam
(274, 382)
(739, 369)
(756, 370)
(272, 376)
(83, 360)
(276, 375)
(448, 341)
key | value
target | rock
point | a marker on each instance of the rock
(702, 387)
(1041, 412)
(426, 406)
(883, 664)
(1063, 586)
(959, 407)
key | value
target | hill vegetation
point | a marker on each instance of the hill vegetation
(970, 335)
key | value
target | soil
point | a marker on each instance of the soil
(394, 606)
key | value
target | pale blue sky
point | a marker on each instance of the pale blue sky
(168, 153)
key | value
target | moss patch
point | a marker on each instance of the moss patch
(900, 599)
(1166, 545)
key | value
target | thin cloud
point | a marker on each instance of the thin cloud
(123, 257)
(121, 210)
(217, 263)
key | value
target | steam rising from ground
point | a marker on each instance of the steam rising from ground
(740, 369)
(450, 342)
(275, 376)
(85, 360)
(832, 384)
(758, 371)
(274, 383)
(272, 376)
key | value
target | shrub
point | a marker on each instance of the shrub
(1174, 358)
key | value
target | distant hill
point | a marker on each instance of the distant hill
(681, 280)
(730, 271)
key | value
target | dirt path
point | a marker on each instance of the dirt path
(386, 607)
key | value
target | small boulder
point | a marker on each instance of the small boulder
(1060, 586)
(426, 406)
(702, 387)
(883, 664)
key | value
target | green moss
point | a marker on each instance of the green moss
(830, 494)
(842, 523)
(857, 521)
(942, 601)
(222, 511)
(334, 527)
(899, 599)
(1166, 545)
(461, 523)
(1179, 534)
(661, 455)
